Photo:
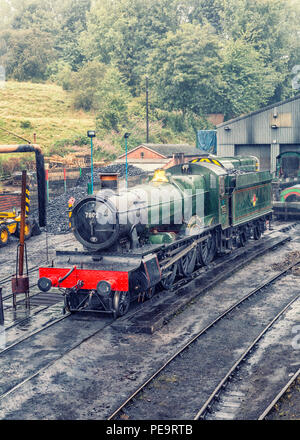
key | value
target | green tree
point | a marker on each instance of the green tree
(202, 11)
(85, 84)
(28, 52)
(185, 68)
(73, 24)
(65, 21)
(123, 33)
(271, 27)
(248, 82)
(113, 98)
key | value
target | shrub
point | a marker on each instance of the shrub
(25, 124)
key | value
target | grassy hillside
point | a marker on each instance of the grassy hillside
(44, 109)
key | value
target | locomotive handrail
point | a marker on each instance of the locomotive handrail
(67, 275)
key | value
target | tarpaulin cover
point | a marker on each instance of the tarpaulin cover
(207, 140)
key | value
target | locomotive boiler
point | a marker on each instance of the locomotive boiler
(136, 240)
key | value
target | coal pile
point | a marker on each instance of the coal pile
(119, 168)
(57, 210)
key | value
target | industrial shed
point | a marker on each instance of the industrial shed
(265, 133)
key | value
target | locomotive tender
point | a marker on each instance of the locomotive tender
(134, 240)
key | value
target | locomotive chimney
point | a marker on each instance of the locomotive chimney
(109, 180)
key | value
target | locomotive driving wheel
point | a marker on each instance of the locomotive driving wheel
(169, 278)
(187, 262)
(121, 303)
(206, 251)
(242, 238)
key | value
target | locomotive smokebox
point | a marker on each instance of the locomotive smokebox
(100, 221)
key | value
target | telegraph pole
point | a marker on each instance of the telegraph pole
(147, 110)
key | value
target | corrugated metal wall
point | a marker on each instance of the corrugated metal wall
(253, 134)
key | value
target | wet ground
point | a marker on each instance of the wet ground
(288, 407)
(91, 380)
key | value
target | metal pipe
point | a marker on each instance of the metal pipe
(40, 173)
(22, 224)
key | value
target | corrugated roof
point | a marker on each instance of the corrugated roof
(239, 118)
(168, 150)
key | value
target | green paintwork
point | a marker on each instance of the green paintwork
(293, 190)
(228, 192)
(165, 237)
(252, 197)
(231, 198)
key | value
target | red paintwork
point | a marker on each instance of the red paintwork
(290, 193)
(90, 278)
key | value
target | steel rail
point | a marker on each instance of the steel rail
(44, 368)
(279, 395)
(17, 323)
(33, 333)
(207, 405)
(33, 268)
(56, 359)
(198, 335)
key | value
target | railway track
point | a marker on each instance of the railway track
(276, 399)
(133, 397)
(40, 299)
(57, 348)
(208, 406)
(34, 256)
(235, 252)
(26, 353)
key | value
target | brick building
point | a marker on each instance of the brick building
(152, 156)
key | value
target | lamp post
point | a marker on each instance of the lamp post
(126, 136)
(91, 134)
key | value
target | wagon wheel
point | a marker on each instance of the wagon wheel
(206, 250)
(146, 294)
(4, 235)
(150, 292)
(256, 232)
(121, 303)
(187, 262)
(242, 239)
(169, 279)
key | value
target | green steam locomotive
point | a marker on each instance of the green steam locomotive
(136, 239)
